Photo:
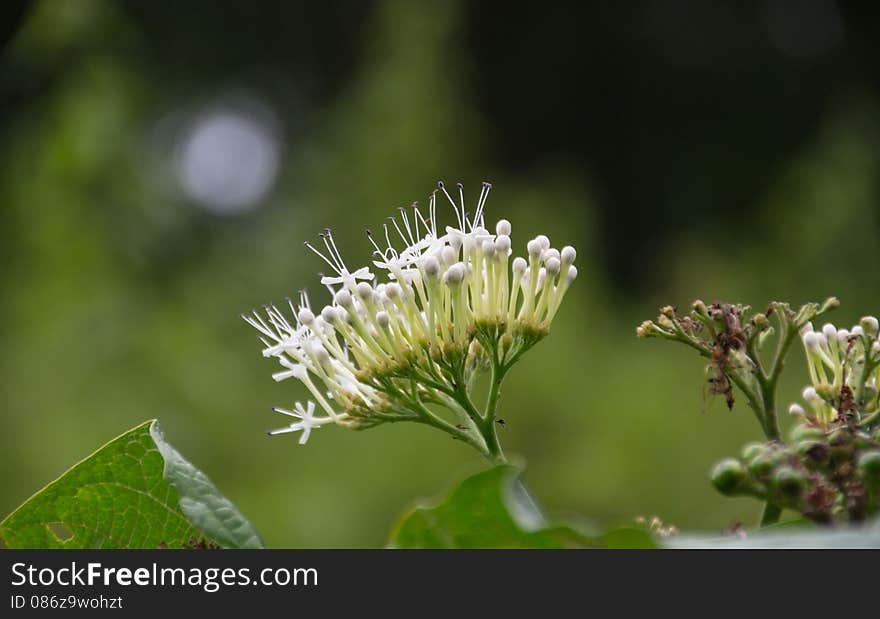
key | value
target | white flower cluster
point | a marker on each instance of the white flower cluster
(453, 303)
(844, 367)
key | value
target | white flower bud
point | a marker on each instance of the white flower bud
(842, 336)
(306, 316)
(382, 319)
(431, 266)
(809, 395)
(857, 331)
(796, 410)
(321, 353)
(830, 331)
(875, 347)
(568, 254)
(534, 248)
(393, 290)
(811, 340)
(870, 325)
(329, 314)
(542, 275)
(502, 244)
(364, 291)
(553, 266)
(572, 274)
(519, 266)
(448, 255)
(455, 274)
(550, 253)
(502, 228)
(488, 248)
(343, 298)
(543, 240)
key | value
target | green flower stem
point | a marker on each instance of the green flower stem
(770, 514)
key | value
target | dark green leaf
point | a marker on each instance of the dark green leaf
(136, 491)
(493, 510)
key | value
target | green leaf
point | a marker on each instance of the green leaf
(493, 510)
(136, 491)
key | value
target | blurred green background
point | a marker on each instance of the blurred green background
(161, 164)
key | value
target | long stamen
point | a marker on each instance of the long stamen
(375, 245)
(323, 257)
(331, 246)
(458, 216)
(484, 195)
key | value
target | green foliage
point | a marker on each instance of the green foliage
(136, 491)
(493, 510)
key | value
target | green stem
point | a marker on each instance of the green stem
(487, 425)
(771, 514)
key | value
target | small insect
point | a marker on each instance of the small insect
(461, 426)
(501, 422)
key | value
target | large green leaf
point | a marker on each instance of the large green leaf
(493, 510)
(136, 491)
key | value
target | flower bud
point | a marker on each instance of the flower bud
(448, 255)
(544, 241)
(700, 308)
(568, 254)
(364, 291)
(796, 410)
(502, 244)
(841, 442)
(502, 228)
(830, 331)
(761, 465)
(869, 466)
(321, 353)
(519, 267)
(329, 314)
(534, 248)
(752, 450)
(869, 324)
(816, 451)
(571, 275)
(306, 316)
(553, 266)
(811, 340)
(843, 336)
(455, 274)
(789, 481)
(382, 319)
(857, 331)
(809, 395)
(728, 475)
(343, 298)
(393, 290)
(804, 432)
(431, 266)
(826, 391)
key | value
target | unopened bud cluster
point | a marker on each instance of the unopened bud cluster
(454, 302)
(826, 475)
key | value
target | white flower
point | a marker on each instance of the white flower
(307, 421)
(334, 260)
(836, 359)
(451, 306)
